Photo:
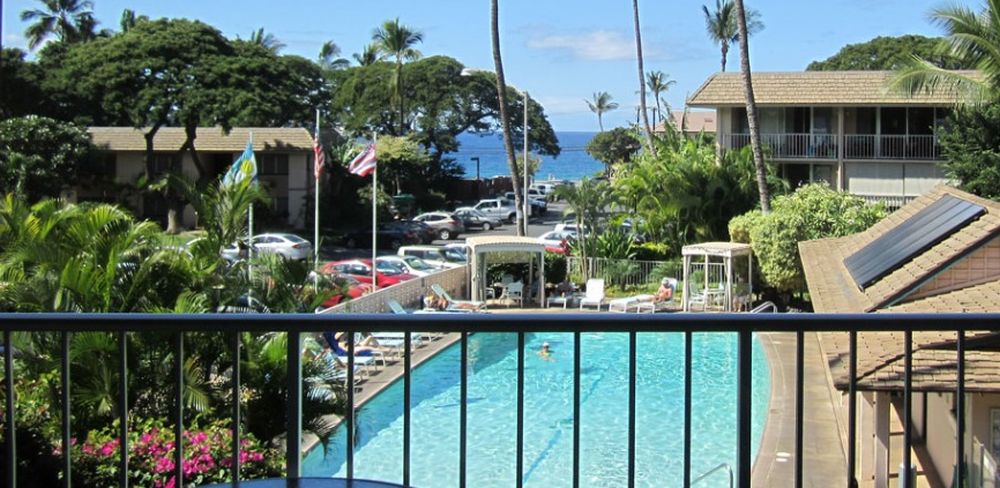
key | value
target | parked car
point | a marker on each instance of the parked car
(498, 208)
(355, 289)
(437, 256)
(474, 219)
(447, 225)
(538, 205)
(426, 233)
(288, 246)
(544, 188)
(389, 237)
(409, 264)
(558, 241)
(361, 269)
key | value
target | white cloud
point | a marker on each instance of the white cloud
(596, 45)
(563, 105)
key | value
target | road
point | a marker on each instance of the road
(536, 227)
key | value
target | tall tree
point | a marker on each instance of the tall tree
(974, 39)
(890, 53)
(67, 20)
(129, 19)
(586, 200)
(329, 56)
(601, 104)
(758, 153)
(658, 83)
(368, 56)
(722, 25)
(508, 141)
(642, 80)
(266, 40)
(397, 40)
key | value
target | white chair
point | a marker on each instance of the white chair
(594, 295)
(514, 293)
(621, 305)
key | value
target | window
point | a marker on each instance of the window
(921, 121)
(104, 167)
(272, 164)
(163, 163)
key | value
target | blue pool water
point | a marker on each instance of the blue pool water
(548, 414)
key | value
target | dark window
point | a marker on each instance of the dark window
(921, 121)
(272, 164)
(894, 121)
(163, 163)
(103, 167)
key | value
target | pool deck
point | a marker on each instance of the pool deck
(824, 457)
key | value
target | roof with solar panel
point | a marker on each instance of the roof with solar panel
(939, 253)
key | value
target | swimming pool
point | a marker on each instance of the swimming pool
(548, 414)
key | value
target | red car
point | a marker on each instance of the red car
(355, 289)
(361, 269)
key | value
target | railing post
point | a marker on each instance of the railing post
(293, 444)
(576, 409)
(852, 408)
(907, 407)
(520, 412)
(67, 455)
(959, 411)
(123, 409)
(631, 407)
(237, 337)
(463, 410)
(799, 405)
(744, 462)
(11, 432)
(406, 408)
(687, 408)
(179, 408)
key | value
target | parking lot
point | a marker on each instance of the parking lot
(536, 227)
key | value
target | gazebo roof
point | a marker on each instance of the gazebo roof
(504, 244)
(725, 249)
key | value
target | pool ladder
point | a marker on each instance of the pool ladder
(765, 307)
(715, 470)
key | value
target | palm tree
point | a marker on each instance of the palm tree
(130, 19)
(758, 154)
(972, 37)
(329, 56)
(62, 18)
(397, 40)
(266, 40)
(600, 105)
(586, 200)
(368, 56)
(722, 27)
(658, 83)
(642, 80)
(508, 140)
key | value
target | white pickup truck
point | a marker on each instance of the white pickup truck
(499, 208)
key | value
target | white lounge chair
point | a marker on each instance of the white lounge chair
(622, 305)
(514, 293)
(457, 305)
(594, 295)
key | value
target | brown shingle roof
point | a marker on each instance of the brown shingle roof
(815, 88)
(694, 121)
(833, 290)
(208, 139)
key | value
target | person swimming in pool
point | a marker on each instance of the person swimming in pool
(546, 353)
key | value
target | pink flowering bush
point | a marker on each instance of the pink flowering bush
(207, 456)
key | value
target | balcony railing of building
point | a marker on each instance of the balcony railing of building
(743, 325)
(856, 146)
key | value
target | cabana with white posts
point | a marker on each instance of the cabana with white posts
(484, 251)
(715, 279)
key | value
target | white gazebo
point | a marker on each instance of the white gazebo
(504, 249)
(713, 265)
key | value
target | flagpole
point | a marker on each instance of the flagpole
(316, 174)
(374, 214)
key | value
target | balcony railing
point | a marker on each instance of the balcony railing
(856, 146)
(743, 325)
(912, 147)
(791, 146)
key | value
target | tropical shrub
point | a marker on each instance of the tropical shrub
(207, 456)
(555, 268)
(652, 251)
(40, 156)
(970, 144)
(813, 212)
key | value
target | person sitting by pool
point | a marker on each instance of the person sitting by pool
(545, 353)
(367, 347)
(666, 291)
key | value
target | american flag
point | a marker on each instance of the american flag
(364, 163)
(320, 156)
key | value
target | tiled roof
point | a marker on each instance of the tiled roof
(694, 121)
(815, 88)
(880, 361)
(208, 139)
(833, 290)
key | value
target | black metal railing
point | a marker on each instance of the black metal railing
(744, 325)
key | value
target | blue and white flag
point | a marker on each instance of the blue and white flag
(245, 167)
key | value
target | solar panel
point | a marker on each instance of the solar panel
(915, 235)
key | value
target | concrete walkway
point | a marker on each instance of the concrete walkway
(824, 461)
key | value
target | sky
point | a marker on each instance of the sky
(560, 51)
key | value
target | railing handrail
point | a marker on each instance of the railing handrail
(765, 306)
(713, 471)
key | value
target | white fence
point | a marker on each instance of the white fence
(407, 293)
(625, 272)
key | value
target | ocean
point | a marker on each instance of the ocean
(572, 164)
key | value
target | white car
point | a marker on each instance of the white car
(288, 246)
(436, 256)
(555, 238)
(409, 264)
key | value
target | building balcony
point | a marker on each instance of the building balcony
(856, 146)
(684, 331)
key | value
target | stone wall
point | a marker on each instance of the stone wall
(408, 293)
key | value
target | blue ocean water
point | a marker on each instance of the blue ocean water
(572, 164)
(548, 414)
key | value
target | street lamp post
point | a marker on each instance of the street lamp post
(478, 184)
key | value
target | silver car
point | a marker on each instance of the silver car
(288, 246)
(445, 224)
